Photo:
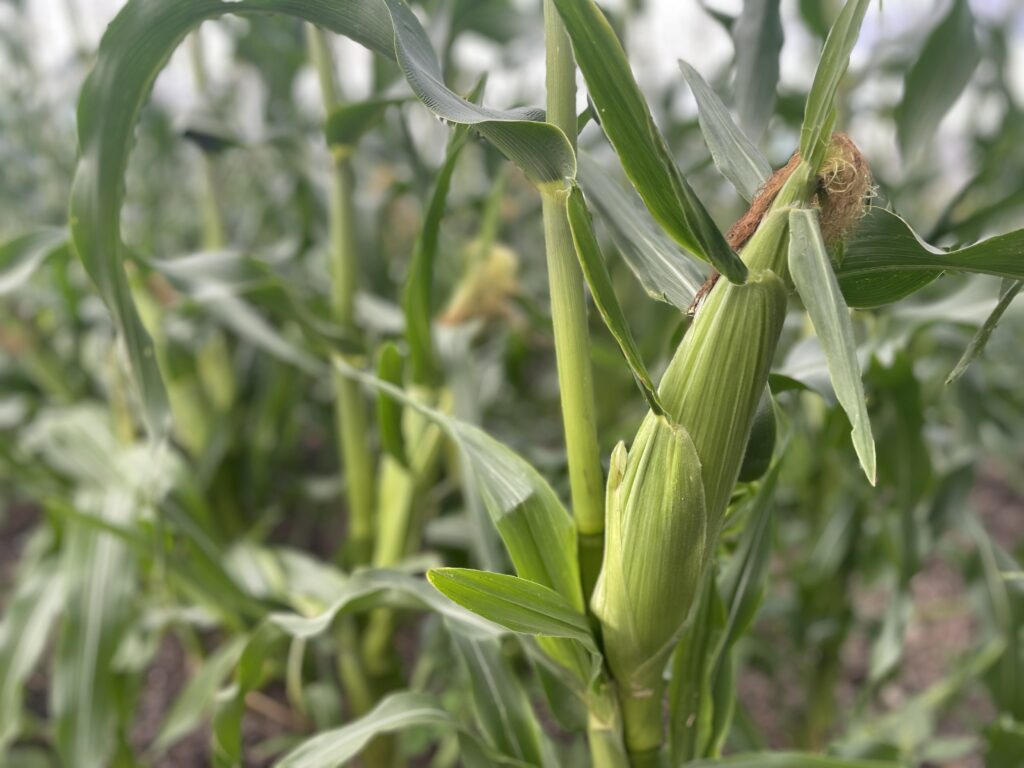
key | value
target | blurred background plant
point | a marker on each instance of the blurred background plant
(150, 592)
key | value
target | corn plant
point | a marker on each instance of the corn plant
(623, 609)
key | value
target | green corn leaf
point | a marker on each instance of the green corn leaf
(417, 296)
(757, 36)
(517, 604)
(819, 114)
(396, 712)
(886, 260)
(501, 707)
(348, 123)
(734, 154)
(389, 413)
(1008, 293)
(596, 272)
(538, 532)
(667, 273)
(935, 81)
(816, 283)
(22, 256)
(135, 48)
(374, 588)
(197, 698)
(626, 119)
(789, 760)
(29, 615)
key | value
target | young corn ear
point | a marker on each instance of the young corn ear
(654, 555)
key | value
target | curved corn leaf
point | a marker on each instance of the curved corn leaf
(935, 81)
(886, 260)
(734, 154)
(375, 588)
(596, 271)
(757, 37)
(501, 707)
(537, 530)
(977, 346)
(814, 279)
(134, 50)
(394, 713)
(665, 271)
(627, 122)
(789, 760)
(22, 256)
(517, 604)
(29, 616)
(819, 114)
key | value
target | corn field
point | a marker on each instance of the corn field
(511, 383)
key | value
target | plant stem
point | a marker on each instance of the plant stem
(569, 315)
(350, 410)
(642, 718)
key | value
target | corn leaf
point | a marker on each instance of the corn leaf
(348, 123)
(389, 413)
(517, 604)
(734, 154)
(887, 260)
(789, 760)
(537, 530)
(501, 707)
(29, 616)
(394, 713)
(665, 271)
(757, 37)
(816, 283)
(22, 256)
(135, 48)
(935, 81)
(196, 700)
(977, 345)
(819, 114)
(627, 122)
(588, 250)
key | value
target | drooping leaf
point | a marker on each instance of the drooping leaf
(734, 154)
(757, 37)
(936, 79)
(537, 530)
(818, 288)
(627, 122)
(394, 713)
(886, 260)
(596, 272)
(517, 604)
(980, 340)
(819, 114)
(667, 273)
(123, 75)
(29, 616)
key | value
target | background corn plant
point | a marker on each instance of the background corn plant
(209, 545)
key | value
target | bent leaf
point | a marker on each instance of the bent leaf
(816, 283)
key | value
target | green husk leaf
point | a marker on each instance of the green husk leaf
(816, 283)
(596, 272)
(627, 122)
(734, 154)
(819, 114)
